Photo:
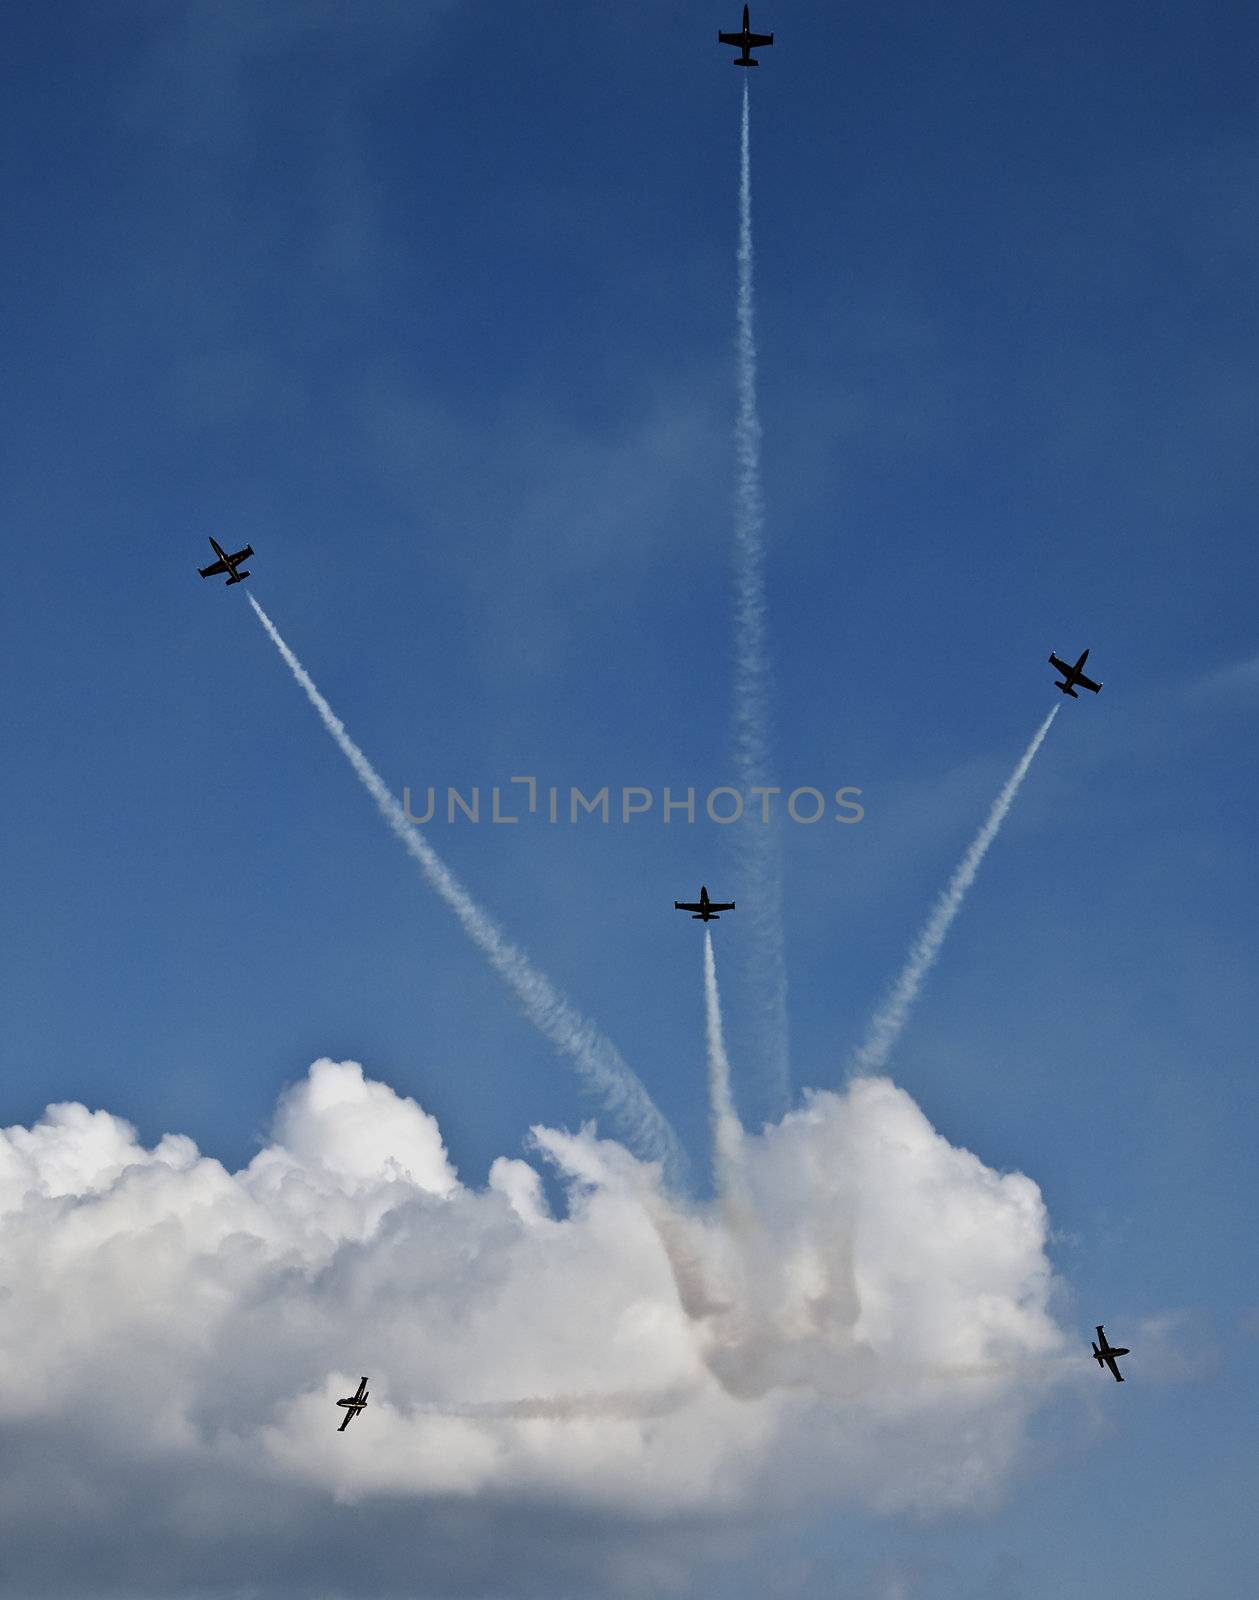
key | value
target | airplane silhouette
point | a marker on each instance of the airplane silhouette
(353, 1404)
(746, 41)
(1105, 1356)
(226, 563)
(703, 909)
(1073, 677)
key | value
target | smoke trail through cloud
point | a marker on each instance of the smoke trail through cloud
(727, 1132)
(888, 1023)
(595, 1057)
(627, 1406)
(758, 845)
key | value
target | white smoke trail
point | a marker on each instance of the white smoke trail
(887, 1024)
(595, 1057)
(624, 1407)
(727, 1131)
(758, 844)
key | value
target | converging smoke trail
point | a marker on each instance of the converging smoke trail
(595, 1057)
(727, 1131)
(887, 1025)
(757, 843)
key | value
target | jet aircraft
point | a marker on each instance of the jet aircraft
(1105, 1355)
(703, 909)
(1073, 676)
(746, 41)
(226, 563)
(354, 1404)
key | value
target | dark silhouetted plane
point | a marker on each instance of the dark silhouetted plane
(746, 41)
(703, 909)
(1073, 676)
(1105, 1354)
(226, 563)
(354, 1404)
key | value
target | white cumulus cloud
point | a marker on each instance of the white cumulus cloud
(872, 1328)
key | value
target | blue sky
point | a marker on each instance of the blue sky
(433, 305)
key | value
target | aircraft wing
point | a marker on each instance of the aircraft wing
(1087, 683)
(213, 570)
(735, 39)
(1062, 666)
(349, 1417)
(690, 905)
(362, 1389)
(1113, 1365)
(720, 905)
(755, 39)
(242, 555)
